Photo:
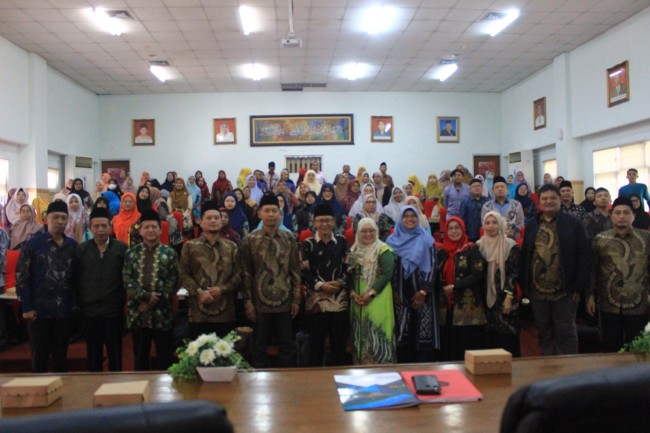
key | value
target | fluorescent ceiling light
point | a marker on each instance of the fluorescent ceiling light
(161, 72)
(352, 71)
(445, 71)
(255, 71)
(108, 24)
(498, 25)
(378, 19)
(246, 19)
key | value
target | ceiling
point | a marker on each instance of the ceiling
(203, 42)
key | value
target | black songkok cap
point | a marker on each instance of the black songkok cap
(100, 212)
(269, 199)
(323, 210)
(209, 205)
(57, 206)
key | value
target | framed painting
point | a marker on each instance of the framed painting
(294, 130)
(618, 84)
(448, 129)
(381, 129)
(144, 132)
(225, 131)
(539, 113)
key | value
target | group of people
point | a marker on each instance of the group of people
(380, 283)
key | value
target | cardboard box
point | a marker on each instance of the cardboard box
(121, 393)
(31, 391)
(491, 361)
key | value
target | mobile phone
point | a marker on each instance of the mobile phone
(426, 384)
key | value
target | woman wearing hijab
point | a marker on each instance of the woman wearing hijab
(168, 184)
(414, 201)
(227, 232)
(114, 187)
(237, 218)
(388, 190)
(255, 191)
(78, 188)
(461, 270)
(312, 181)
(99, 188)
(489, 183)
(241, 200)
(369, 210)
(327, 196)
(305, 212)
(416, 313)
(25, 228)
(397, 202)
(418, 188)
(180, 200)
(67, 189)
(103, 203)
(588, 203)
(371, 263)
(205, 191)
(128, 185)
(433, 190)
(127, 216)
(502, 256)
(365, 178)
(357, 206)
(77, 227)
(195, 193)
(351, 196)
(527, 203)
(289, 220)
(11, 213)
(143, 200)
(342, 186)
(144, 177)
(301, 175)
(220, 187)
(512, 187)
(378, 183)
(155, 197)
(114, 203)
(444, 180)
(242, 180)
(641, 218)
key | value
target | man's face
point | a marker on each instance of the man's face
(448, 127)
(224, 129)
(270, 215)
(458, 177)
(259, 175)
(271, 168)
(381, 126)
(549, 202)
(632, 176)
(56, 222)
(100, 228)
(150, 231)
(566, 194)
(547, 178)
(603, 199)
(622, 217)
(211, 221)
(500, 190)
(383, 168)
(346, 168)
(315, 166)
(476, 189)
(143, 131)
(324, 225)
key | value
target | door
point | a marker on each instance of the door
(483, 163)
(118, 170)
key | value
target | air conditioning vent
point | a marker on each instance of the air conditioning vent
(119, 14)
(158, 62)
(492, 16)
(83, 162)
(514, 157)
(299, 87)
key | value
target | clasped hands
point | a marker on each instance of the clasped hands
(210, 295)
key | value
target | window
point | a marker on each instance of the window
(4, 176)
(53, 179)
(550, 167)
(611, 165)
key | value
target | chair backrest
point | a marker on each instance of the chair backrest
(10, 268)
(603, 401)
(164, 233)
(194, 416)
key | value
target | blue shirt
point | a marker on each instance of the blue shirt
(470, 213)
(44, 277)
(453, 198)
(639, 189)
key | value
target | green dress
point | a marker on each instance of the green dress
(373, 326)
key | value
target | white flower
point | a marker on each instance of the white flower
(192, 348)
(207, 356)
(647, 328)
(223, 348)
(206, 338)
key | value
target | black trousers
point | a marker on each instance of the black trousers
(100, 332)
(142, 338)
(619, 329)
(320, 325)
(279, 325)
(221, 329)
(49, 337)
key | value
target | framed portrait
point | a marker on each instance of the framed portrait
(225, 131)
(539, 113)
(294, 130)
(618, 84)
(448, 129)
(144, 132)
(381, 129)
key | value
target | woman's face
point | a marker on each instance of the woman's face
(510, 179)
(304, 188)
(370, 204)
(591, 195)
(78, 185)
(368, 190)
(239, 195)
(454, 231)
(74, 204)
(101, 204)
(112, 184)
(128, 180)
(247, 192)
(200, 181)
(327, 194)
(522, 190)
(368, 235)
(398, 195)
(170, 176)
(310, 199)
(376, 178)
(143, 194)
(412, 202)
(284, 175)
(198, 174)
(251, 182)
(229, 202)
(491, 226)
(225, 218)
(311, 177)
(520, 177)
(25, 213)
(222, 175)
(356, 187)
(191, 180)
(408, 189)
(433, 180)
(127, 203)
(636, 203)
(281, 202)
(365, 178)
(410, 219)
(178, 184)
(99, 186)
(343, 178)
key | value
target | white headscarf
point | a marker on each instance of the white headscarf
(394, 208)
(357, 206)
(495, 250)
(12, 209)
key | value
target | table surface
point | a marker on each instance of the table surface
(306, 400)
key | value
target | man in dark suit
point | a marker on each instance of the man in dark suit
(448, 131)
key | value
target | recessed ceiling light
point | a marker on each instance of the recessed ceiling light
(352, 71)
(445, 71)
(500, 20)
(378, 19)
(108, 24)
(161, 72)
(255, 71)
(246, 19)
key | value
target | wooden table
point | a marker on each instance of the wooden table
(305, 400)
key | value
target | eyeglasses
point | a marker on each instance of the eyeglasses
(324, 220)
(368, 231)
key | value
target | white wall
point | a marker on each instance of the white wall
(14, 93)
(184, 131)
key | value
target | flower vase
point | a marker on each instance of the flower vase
(217, 374)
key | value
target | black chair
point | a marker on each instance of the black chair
(607, 401)
(177, 417)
